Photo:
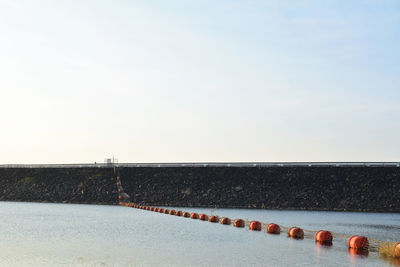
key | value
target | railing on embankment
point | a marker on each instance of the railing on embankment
(208, 164)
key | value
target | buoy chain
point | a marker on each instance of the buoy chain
(356, 244)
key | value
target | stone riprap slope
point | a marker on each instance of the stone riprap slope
(68, 185)
(310, 188)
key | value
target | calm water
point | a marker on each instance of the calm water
(35, 234)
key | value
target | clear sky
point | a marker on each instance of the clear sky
(172, 81)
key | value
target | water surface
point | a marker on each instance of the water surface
(37, 234)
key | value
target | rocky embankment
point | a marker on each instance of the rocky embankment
(68, 185)
(311, 188)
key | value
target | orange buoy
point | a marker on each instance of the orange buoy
(273, 228)
(151, 208)
(396, 250)
(161, 210)
(255, 226)
(225, 220)
(358, 242)
(148, 208)
(238, 223)
(296, 232)
(171, 212)
(323, 237)
(203, 217)
(178, 213)
(213, 219)
(194, 215)
(166, 211)
(156, 209)
(121, 203)
(186, 214)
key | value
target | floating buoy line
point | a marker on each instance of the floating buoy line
(357, 245)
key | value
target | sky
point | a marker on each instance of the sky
(199, 81)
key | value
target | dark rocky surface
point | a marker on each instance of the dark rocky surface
(310, 188)
(68, 185)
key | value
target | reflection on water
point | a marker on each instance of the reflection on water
(358, 252)
(35, 234)
(393, 262)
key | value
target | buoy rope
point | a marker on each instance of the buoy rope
(385, 248)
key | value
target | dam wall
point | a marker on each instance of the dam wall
(348, 188)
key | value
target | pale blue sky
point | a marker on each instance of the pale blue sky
(171, 81)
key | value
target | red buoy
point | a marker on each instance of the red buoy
(161, 210)
(238, 223)
(194, 215)
(119, 197)
(225, 221)
(273, 228)
(148, 208)
(323, 237)
(358, 242)
(296, 232)
(178, 213)
(396, 250)
(118, 184)
(213, 219)
(186, 214)
(155, 209)
(255, 226)
(171, 212)
(203, 217)
(118, 178)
